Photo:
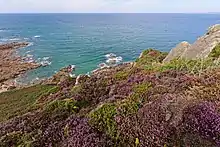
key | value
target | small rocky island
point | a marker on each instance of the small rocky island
(159, 100)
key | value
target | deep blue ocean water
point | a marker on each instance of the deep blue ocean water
(85, 39)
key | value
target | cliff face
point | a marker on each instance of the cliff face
(201, 48)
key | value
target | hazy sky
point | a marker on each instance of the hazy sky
(195, 6)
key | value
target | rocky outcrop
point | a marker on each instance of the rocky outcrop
(13, 45)
(177, 51)
(60, 76)
(81, 79)
(201, 48)
(11, 65)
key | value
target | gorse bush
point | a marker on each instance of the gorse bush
(103, 119)
(121, 75)
(215, 53)
(62, 105)
(150, 56)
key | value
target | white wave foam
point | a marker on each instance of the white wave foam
(37, 36)
(119, 59)
(113, 59)
(111, 55)
(14, 39)
(31, 60)
(29, 56)
(45, 58)
(45, 61)
(102, 65)
(11, 39)
(27, 52)
(4, 39)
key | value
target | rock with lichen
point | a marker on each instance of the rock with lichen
(200, 49)
(177, 51)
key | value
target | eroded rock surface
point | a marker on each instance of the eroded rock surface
(177, 51)
(201, 48)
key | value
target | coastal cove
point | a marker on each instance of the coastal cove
(160, 99)
(84, 39)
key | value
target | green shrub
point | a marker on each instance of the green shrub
(140, 91)
(76, 89)
(191, 66)
(121, 75)
(103, 119)
(215, 53)
(150, 56)
(68, 105)
(132, 104)
(127, 107)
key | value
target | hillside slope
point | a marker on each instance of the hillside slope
(147, 103)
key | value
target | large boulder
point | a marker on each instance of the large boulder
(201, 48)
(177, 51)
(204, 45)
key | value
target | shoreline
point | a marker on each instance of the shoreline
(12, 65)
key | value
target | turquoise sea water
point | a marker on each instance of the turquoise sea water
(85, 39)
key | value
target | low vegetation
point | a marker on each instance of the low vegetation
(18, 102)
(150, 103)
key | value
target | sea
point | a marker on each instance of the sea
(84, 40)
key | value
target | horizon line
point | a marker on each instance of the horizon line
(109, 12)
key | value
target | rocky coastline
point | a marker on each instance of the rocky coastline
(12, 65)
(159, 100)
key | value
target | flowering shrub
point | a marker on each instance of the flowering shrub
(80, 134)
(203, 119)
